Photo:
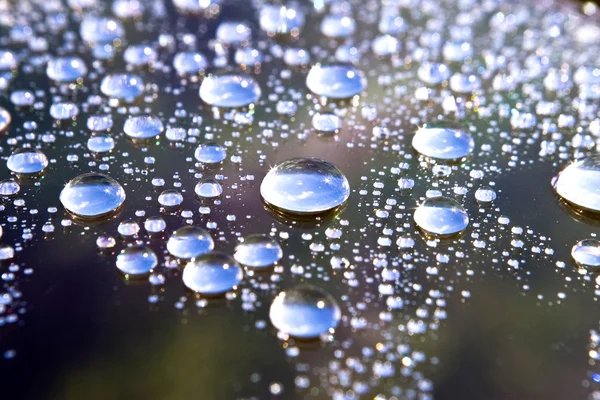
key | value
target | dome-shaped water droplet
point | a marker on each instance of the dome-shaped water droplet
(127, 9)
(98, 30)
(208, 188)
(305, 186)
(210, 153)
(433, 73)
(385, 45)
(143, 127)
(248, 57)
(170, 198)
(233, 33)
(212, 274)
(22, 98)
(92, 195)
(197, 7)
(122, 86)
(136, 261)
(281, 20)
(100, 143)
(138, 55)
(443, 143)
(586, 253)
(189, 242)
(128, 228)
(485, 195)
(99, 123)
(579, 183)
(336, 81)
(326, 123)
(64, 110)
(304, 311)
(338, 26)
(155, 225)
(27, 161)
(9, 188)
(464, 83)
(258, 251)
(229, 91)
(457, 51)
(441, 216)
(5, 119)
(66, 69)
(189, 63)
(8, 61)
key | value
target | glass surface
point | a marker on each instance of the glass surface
(498, 311)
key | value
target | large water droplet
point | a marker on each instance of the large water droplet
(586, 253)
(210, 153)
(94, 29)
(66, 69)
(338, 26)
(304, 311)
(258, 251)
(441, 216)
(122, 86)
(305, 186)
(136, 261)
(336, 81)
(27, 161)
(579, 183)
(229, 91)
(189, 242)
(212, 274)
(92, 195)
(5, 119)
(443, 143)
(281, 20)
(189, 63)
(143, 127)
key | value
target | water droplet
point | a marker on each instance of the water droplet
(441, 216)
(335, 81)
(92, 195)
(5, 119)
(64, 111)
(98, 30)
(326, 123)
(9, 188)
(100, 143)
(210, 153)
(212, 274)
(190, 242)
(579, 183)
(485, 195)
(229, 91)
(338, 26)
(233, 33)
(122, 86)
(208, 188)
(385, 45)
(138, 55)
(27, 161)
(143, 127)
(136, 260)
(170, 198)
(443, 143)
(281, 20)
(155, 224)
(258, 251)
(586, 253)
(433, 74)
(98, 123)
(305, 186)
(66, 69)
(304, 311)
(189, 63)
